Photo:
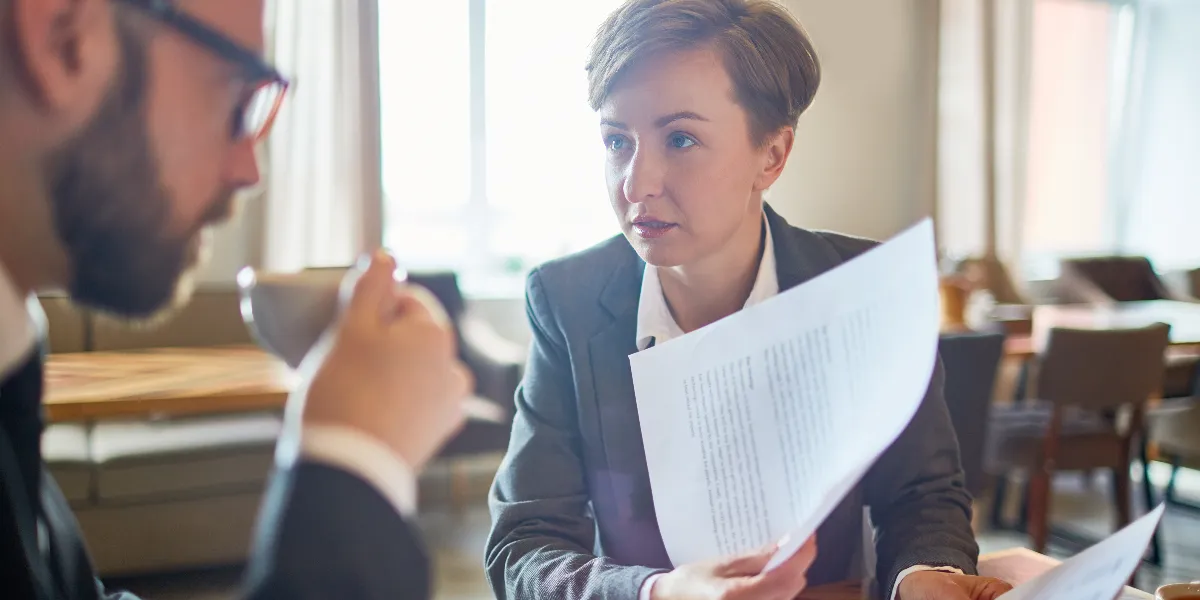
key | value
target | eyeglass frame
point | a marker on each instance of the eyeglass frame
(256, 70)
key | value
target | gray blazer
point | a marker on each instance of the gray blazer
(572, 512)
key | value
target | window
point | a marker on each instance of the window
(1098, 137)
(1079, 69)
(1114, 134)
(492, 159)
(1161, 169)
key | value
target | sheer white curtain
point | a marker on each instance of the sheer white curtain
(323, 192)
(983, 101)
(1036, 128)
(1161, 172)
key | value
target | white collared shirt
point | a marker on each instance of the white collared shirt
(654, 321)
(18, 335)
(655, 325)
(337, 446)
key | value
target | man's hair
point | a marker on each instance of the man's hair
(767, 54)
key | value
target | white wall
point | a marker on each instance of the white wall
(864, 156)
(235, 244)
(230, 247)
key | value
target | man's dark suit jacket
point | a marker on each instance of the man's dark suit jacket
(323, 533)
(572, 511)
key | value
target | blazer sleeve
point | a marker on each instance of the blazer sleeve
(542, 541)
(324, 533)
(919, 504)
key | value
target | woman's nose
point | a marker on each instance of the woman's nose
(644, 177)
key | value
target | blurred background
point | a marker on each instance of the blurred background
(1055, 143)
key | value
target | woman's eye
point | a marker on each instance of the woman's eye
(615, 143)
(679, 140)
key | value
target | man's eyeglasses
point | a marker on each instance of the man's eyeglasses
(256, 113)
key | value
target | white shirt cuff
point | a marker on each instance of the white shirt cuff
(914, 569)
(648, 586)
(364, 456)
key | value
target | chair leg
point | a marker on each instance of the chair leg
(1023, 510)
(1148, 500)
(1121, 498)
(999, 494)
(1121, 484)
(1147, 484)
(1039, 510)
(1169, 493)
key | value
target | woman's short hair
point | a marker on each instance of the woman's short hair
(766, 52)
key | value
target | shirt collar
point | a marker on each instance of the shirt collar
(654, 321)
(18, 336)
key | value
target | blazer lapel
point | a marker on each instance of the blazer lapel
(800, 254)
(628, 526)
(69, 560)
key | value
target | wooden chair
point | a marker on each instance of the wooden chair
(1091, 388)
(1176, 435)
(1111, 279)
(1106, 279)
(971, 361)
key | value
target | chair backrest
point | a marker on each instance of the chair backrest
(1177, 434)
(442, 284)
(1122, 278)
(1103, 370)
(971, 361)
(991, 274)
(1194, 283)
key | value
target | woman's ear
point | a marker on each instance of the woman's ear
(775, 153)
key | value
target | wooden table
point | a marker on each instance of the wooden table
(89, 386)
(1014, 566)
(1183, 317)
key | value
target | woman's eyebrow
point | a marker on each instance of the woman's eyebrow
(665, 120)
(660, 122)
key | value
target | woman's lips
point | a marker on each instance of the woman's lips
(651, 228)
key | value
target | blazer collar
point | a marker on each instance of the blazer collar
(800, 255)
(624, 287)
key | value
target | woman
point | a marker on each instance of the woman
(698, 102)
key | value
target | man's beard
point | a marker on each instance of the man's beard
(111, 210)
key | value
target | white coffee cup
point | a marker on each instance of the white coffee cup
(1179, 591)
(288, 312)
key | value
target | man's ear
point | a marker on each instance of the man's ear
(66, 55)
(775, 156)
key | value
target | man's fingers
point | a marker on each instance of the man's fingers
(464, 381)
(372, 288)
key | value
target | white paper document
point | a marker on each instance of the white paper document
(1098, 573)
(758, 425)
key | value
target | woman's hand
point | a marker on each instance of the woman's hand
(939, 585)
(738, 578)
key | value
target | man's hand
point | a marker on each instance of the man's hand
(737, 578)
(389, 369)
(939, 585)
